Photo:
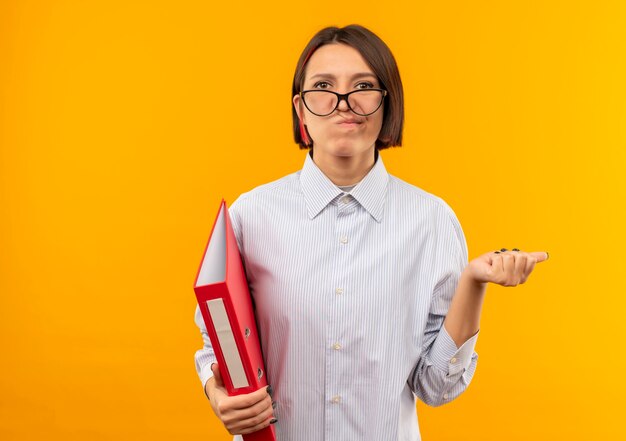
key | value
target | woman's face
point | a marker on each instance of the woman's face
(340, 68)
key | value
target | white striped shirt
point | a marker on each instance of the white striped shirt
(351, 291)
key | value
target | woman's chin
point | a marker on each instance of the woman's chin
(350, 149)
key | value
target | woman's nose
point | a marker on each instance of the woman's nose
(343, 104)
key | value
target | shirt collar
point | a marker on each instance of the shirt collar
(319, 191)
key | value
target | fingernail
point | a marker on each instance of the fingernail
(504, 249)
(269, 390)
(273, 404)
(515, 249)
(273, 421)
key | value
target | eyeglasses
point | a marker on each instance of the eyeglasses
(363, 102)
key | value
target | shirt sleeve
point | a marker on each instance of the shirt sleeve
(443, 370)
(206, 356)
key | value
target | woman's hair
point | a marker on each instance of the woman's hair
(383, 64)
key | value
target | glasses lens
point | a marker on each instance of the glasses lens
(365, 102)
(320, 102)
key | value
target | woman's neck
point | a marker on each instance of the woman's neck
(345, 170)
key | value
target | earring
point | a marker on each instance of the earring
(304, 135)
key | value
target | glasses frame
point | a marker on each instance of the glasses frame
(344, 97)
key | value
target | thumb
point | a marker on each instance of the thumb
(218, 376)
(540, 255)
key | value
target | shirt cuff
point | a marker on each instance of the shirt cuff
(206, 373)
(447, 357)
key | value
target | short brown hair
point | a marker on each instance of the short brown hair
(383, 64)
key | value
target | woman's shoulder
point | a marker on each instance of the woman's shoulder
(432, 206)
(404, 192)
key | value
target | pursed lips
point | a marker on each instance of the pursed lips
(349, 122)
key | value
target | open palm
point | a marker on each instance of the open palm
(506, 268)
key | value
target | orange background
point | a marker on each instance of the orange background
(122, 124)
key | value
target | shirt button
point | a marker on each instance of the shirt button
(338, 290)
(453, 360)
(445, 396)
(343, 239)
(336, 346)
(336, 399)
(345, 199)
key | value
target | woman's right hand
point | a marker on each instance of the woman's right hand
(240, 414)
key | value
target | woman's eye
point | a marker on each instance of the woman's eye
(321, 85)
(364, 85)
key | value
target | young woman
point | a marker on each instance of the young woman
(364, 296)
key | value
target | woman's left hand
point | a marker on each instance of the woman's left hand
(506, 268)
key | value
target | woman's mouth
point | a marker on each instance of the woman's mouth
(349, 122)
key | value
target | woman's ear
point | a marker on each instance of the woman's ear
(297, 104)
(304, 134)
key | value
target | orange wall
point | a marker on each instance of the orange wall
(122, 124)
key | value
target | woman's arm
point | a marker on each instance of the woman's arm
(463, 319)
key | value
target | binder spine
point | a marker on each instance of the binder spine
(235, 347)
